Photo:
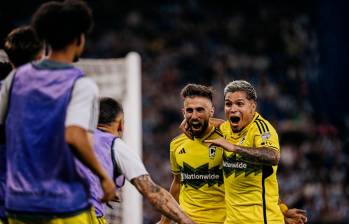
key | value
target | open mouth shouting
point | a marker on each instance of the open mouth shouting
(195, 125)
(234, 122)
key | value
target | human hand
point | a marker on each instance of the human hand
(216, 122)
(164, 220)
(184, 127)
(295, 216)
(109, 190)
(117, 197)
(222, 142)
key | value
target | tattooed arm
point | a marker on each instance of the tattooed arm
(262, 155)
(174, 190)
(160, 199)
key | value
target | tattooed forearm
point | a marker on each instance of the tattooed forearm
(160, 199)
(265, 156)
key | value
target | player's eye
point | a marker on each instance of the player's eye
(189, 110)
(240, 104)
(200, 109)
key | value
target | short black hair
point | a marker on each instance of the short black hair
(241, 85)
(109, 109)
(22, 45)
(60, 23)
(193, 90)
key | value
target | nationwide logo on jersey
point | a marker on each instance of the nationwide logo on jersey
(198, 177)
(234, 165)
(212, 151)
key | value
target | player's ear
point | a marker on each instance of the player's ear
(254, 106)
(212, 111)
(80, 40)
(183, 112)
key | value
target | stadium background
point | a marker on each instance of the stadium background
(295, 52)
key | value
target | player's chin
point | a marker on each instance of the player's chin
(197, 131)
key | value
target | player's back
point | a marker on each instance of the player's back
(200, 167)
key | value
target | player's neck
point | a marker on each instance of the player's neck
(65, 56)
(110, 129)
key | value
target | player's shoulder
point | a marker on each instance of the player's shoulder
(262, 125)
(85, 85)
(224, 127)
(216, 134)
(178, 140)
(86, 82)
(119, 143)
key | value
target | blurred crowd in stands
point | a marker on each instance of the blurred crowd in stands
(274, 46)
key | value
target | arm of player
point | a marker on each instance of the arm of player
(175, 186)
(261, 155)
(77, 138)
(174, 190)
(160, 199)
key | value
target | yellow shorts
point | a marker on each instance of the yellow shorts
(101, 220)
(3, 221)
(86, 217)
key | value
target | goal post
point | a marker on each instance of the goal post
(121, 79)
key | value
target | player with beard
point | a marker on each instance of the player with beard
(197, 169)
(250, 160)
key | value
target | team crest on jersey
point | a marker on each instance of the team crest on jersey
(212, 151)
(242, 140)
(266, 135)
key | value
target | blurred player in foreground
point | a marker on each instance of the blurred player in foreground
(21, 46)
(119, 159)
(250, 162)
(48, 111)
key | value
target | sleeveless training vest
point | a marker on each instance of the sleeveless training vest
(41, 170)
(103, 146)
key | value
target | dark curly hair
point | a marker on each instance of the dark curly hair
(22, 45)
(60, 23)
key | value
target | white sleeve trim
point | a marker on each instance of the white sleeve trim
(4, 95)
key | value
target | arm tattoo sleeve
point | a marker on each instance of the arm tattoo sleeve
(160, 198)
(264, 156)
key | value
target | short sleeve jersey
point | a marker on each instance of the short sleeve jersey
(251, 189)
(200, 167)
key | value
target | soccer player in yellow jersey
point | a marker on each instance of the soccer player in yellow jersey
(250, 162)
(197, 168)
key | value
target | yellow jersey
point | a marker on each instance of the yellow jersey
(251, 189)
(200, 167)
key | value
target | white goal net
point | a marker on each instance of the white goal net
(121, 79)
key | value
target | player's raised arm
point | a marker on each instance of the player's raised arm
(262, 155)
(174, 190)
(160, 199)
